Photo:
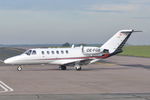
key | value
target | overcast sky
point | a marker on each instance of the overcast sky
(74, 21)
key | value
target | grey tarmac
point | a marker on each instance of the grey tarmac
(115, 78)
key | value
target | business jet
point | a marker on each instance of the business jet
(73, 56)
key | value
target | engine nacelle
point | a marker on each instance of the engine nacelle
(91, 50)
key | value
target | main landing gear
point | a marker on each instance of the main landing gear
(77, 67)
(63, 67)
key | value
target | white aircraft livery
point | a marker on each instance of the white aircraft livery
(74, 56)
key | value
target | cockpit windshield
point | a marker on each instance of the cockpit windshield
(28, 52)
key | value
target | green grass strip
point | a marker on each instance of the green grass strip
(141, 51)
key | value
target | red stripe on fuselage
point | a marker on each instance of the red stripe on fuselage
(94, 57)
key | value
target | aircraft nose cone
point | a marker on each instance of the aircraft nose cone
(7, 61)
(12, 60)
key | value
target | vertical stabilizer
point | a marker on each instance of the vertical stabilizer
(114, 44)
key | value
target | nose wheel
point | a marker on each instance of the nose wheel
(19, 68)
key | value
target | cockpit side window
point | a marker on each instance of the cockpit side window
(33, 52)
(28, 52)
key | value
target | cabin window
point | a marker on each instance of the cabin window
(66, 51)
(42, 52)
(33, 52)
(52, 52)
(47, 52)
(57, 52)
(62, 52)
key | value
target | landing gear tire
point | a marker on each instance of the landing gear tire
(63, 67)
(78, 68)
(19, 68)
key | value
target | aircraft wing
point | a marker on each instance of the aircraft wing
(80, 62)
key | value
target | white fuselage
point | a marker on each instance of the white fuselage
(58, 56)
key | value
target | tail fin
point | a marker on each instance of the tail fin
(114, 44)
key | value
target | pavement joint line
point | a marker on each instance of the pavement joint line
(5, 87)
(137, 96)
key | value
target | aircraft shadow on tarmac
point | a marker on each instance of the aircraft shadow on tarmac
(101, 69)
(137, 66)
(98, 68)
(72, 69)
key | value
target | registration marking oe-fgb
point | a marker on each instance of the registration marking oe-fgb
(93, 50)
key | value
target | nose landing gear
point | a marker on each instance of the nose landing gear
(19, 68)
